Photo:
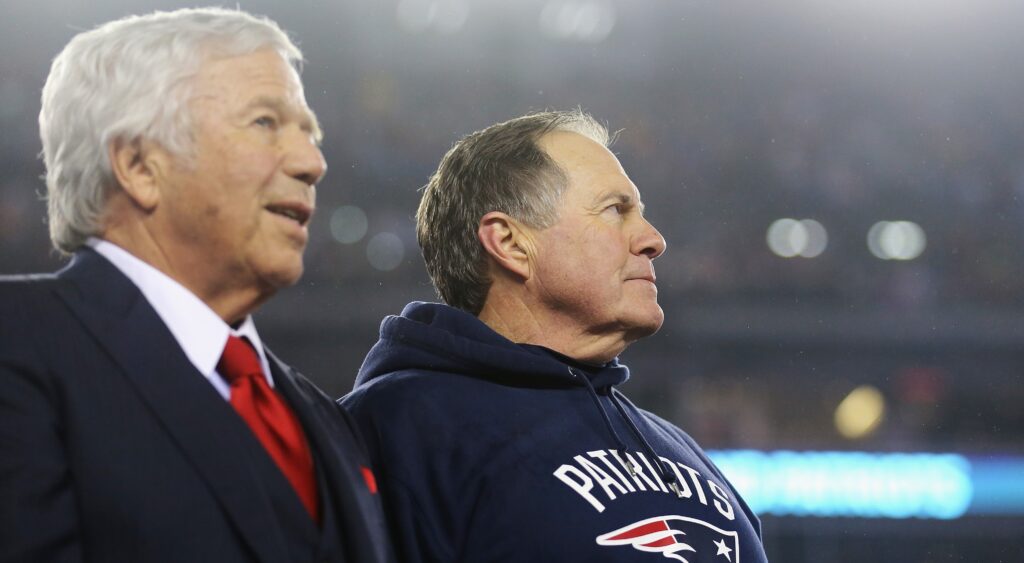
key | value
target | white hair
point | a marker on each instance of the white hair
(126, 80)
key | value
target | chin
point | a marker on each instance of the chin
(648, 329)
(645, 324)
(285, 275)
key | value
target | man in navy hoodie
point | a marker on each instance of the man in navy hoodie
(494, 419)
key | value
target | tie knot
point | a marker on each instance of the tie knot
(238, 360)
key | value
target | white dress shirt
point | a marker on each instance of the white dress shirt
(200, 332)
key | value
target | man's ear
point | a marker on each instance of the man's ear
(137, 167)
(505, 240)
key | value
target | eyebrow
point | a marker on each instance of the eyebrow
(306, 118)
(624, 199)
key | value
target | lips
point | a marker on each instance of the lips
(295, 211)
(647, 276)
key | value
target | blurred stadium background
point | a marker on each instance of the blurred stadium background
(840, 184)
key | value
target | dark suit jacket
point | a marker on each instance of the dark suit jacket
(114, 448)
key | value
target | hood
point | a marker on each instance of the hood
(436, 337)
(439, 338)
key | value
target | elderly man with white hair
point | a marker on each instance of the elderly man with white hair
(141, 417)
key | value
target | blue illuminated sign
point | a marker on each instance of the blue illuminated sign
(874, 485)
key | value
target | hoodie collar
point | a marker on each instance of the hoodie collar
(433, 336)
(601, 376)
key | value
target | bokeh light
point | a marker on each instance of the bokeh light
(442, 16)
(860, 413)
(578, 20)
(385, 251)
(896, 240)
(789, 238)
(348, 224)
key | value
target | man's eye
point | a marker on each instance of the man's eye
(617, 209)
(265, 121)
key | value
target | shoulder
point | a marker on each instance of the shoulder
(668, 427)
(679, 435)
(17, 288)
(419, 402)
(24, 302)
(32, 323)
(401, 386)
(34, 297)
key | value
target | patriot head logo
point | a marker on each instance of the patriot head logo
(676, 536)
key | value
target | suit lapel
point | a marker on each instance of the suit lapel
(342, 460)
(199, 421)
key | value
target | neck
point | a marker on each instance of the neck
(230, 303)
(522, 321)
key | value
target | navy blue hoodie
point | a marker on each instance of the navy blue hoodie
(488, 450)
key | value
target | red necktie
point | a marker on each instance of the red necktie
(270, 419)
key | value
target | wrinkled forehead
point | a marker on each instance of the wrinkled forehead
(591, 169)
(263, 78)
(217, 73)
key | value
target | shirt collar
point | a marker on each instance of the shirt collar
(199, 331)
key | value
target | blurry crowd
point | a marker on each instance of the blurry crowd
(719, 152)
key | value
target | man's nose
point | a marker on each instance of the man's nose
(304, 161)
(649, 242)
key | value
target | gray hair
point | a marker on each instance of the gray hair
(129, 79)
(500, 168)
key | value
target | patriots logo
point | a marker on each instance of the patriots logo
(674, 536)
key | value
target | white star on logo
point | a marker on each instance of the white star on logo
(723, 549)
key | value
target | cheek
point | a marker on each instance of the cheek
(212, 212)
(243, 189)
(608, 253)
(247, 173)
(242, 158)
